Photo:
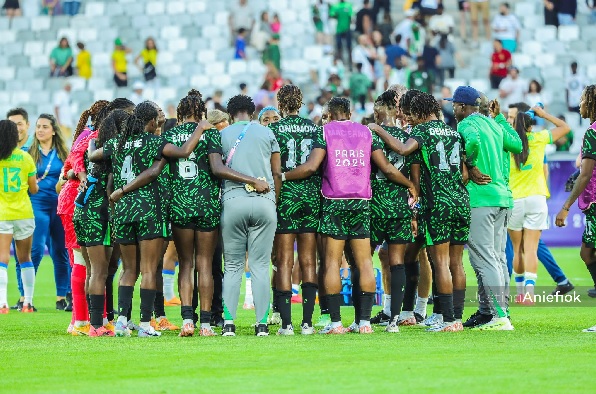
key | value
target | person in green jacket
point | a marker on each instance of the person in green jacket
(272, 53)
(485, 144)
(359, 86)
(342, 11)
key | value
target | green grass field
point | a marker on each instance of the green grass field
(546, 353)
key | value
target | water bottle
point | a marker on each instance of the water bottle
(531, 112)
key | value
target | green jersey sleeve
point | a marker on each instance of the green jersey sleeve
(589, 145)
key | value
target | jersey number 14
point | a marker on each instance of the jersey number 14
(454, 158)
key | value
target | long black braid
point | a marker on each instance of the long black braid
(387, 100)
(135, 125)
(590, 99)
(191, 106)
(111, 127)
(424, 105)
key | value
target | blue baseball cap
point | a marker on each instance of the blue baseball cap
(466, 95)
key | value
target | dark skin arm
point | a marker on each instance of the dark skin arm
(276, 172)
(145, 178)
(392, 173)
(587, 167)
(174, 152)
(311, 165)
(224, 172)
(93, 153)
(404, 149)
(415, 177)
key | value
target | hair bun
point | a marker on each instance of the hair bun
(195, 92)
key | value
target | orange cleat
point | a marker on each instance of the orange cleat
(188, 330)
(100, 332)
(81, 331)
(28, 309)
(4, 310)
(164, 325)
(173, 302)
(365, 330)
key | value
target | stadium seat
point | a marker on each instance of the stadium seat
(139, 21)
(313, 53)
(279, 6)
(177, 44)
(521, 60)
(591, 71)
(525, 8)
(236, 67)
(588, 33)
(568, 33)
(196, 7)
(95, 9)
(101, 60)
(18, 61)
(218, 43)
(20, 97)
(453, 83)
(168, 32)
(175, 8)
(532, 21)
(8, 36)
(546, 60)
(221, 18)
(156, 8)
(221, 80)
(199, 81)
(4, 97)
(33, 47)
(212, 31)
(7, 73)
(103, 94)
(89, 34)
(38, 61)
(69, 33)
(552, 72)
(96, 84)
(206, 57)
(532, 48)
(214, 68)
(480, 84)
(545, 34)
(531, 72)
(20, 24)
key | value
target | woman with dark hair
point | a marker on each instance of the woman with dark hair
(16, 212)
(149, 60)
(140, 225)
(61, 59)
(530, 191)
(49, 151)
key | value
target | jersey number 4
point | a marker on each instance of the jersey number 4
(454, 158)
(304, 152)
(126, 173)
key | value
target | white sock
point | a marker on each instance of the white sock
(145, 325)
(295, 289)
(105, 321)
(187, 321)
(248, 295)
(335, 324)
(364, 323)
(3, 284)
(519, 282)
(205, 325)
(28, 278)
(562, 283)
(122, 319)
(530, 282)
(168, 284)
(387, 304)
(80, 323)
(226, 322)
(421, 306)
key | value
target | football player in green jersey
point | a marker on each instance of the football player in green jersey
(298, 211)
(196, 208)
(446, 201)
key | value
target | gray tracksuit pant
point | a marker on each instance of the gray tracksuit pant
(487, 256)
(248, 224)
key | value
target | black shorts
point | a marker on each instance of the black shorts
(120, 83)
(199, 223)
(391, 230)
(133, 233)
(449, 224)
(345, 224)
(93, 232)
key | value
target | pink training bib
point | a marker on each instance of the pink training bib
(346, 170)
(588, 196)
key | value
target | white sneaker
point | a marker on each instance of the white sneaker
(406, 318)
(286, 331)
(353, 328)
(274, 319)
(307, 330)
(591, 329)
(496, 324)
(149, 332)
(133, 327)
(393, 326)
(432, 320)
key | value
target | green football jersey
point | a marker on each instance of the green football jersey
(137, 155)
(97, 206)
(390, 200)
(194, 188)
(441, 149)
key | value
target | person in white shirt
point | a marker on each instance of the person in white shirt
(576, 83)
(506, 27)
(241, 16)
(137, 93)
(363, 53)
(513, 88)
(404, 28)
(441, 23)
(63, 110)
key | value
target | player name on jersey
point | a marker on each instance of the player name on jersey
(297, 128)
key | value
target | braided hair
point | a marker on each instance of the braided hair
(423, 105)
(93, 112)
(111, 127)
(118, 103)
(241, 103)
(589, 97)
(289, 98)
(135, 124)
(191, 106)
(387, 99)
(405, 101)
(337, 106)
